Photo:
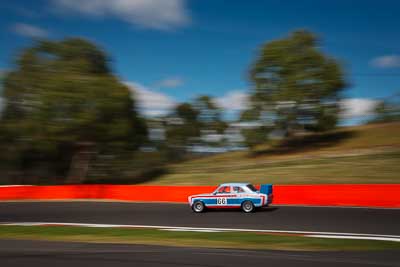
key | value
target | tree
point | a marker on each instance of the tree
(183, 128)
(255, 135)
(296, 84)
(388, 110)
(210, 115)
(64, 106)
(255, 127)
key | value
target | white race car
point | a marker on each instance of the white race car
(233, 195)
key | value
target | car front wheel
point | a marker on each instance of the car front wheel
(198, 206)
(248, 206)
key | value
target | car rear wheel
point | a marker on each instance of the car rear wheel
(198, 206)
(248, 206)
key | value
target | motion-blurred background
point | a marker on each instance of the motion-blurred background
(199, 92)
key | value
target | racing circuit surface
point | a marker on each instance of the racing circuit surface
(324, 219)
(44, 253)
(48, 254)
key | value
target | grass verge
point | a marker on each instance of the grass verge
(380, 168)
(362, 154)
(237, 240)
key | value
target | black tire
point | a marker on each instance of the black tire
(198, 206)
(248, 206)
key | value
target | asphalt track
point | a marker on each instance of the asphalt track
(324, 219)
(46, 254)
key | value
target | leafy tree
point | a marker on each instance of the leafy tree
(64, 106)
(257, 129)
(183, 128)
(210, 115)
(251, 114)
(256, 135)
(296, 84)
(388, 110)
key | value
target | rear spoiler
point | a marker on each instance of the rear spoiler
(266, 189)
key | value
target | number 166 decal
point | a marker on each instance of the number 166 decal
(222, 201)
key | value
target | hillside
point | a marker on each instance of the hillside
(362, 154)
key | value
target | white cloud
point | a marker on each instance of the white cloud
(357, 107)
(234, 101)
(150, 102)
(28, 30)
(389, 61)
(155, 14)
(170, 82)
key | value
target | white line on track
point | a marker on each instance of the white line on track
(395, 238)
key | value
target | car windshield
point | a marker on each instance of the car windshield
(252, 187)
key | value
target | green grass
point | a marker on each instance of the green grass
(367, 154)
(237, 240)
(374, 168)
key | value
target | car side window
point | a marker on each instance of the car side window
(238, 189)
(224, 189)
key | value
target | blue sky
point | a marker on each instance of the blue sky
(173, 50)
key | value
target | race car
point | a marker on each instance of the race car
(233, 195)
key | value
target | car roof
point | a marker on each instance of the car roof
(234, 184)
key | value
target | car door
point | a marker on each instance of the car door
(239, 195)
(224, 196)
